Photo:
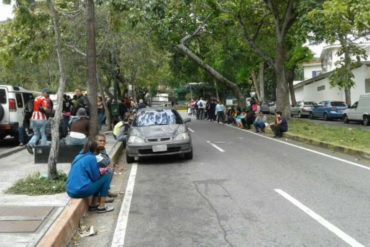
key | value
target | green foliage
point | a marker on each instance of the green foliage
(37, 185)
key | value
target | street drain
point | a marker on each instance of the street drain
(18, 219)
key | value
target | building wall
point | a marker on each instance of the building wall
(308, 69)
(321, 90)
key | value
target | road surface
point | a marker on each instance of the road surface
(243, 189)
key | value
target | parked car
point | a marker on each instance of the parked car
(302, 108)
(359, 111)
(12, 103)
(272, 107)
(265, 107)
(328, 110)
(158, 132)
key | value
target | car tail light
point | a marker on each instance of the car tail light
(333, 108)
(12, 105)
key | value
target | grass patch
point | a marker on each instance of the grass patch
(35, 185)
(343, 136)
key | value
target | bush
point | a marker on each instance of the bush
(38, 185)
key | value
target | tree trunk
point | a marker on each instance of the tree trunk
(215, 83)
(91, 68)
(54, 149)
(347, 91)
(262, 82)
(290, 80)
(282, 87)
(255, 83)
(217, 76)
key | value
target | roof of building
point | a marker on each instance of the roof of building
(322, 76)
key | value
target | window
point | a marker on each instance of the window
(321, 88)
(18, 96)
(150, 118)
(313, 74)
(2, 96)
(367, 85)
(27, 97)
(338, 103)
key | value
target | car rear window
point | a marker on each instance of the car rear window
(309, 103)
(2, 96)
(151, 118)
(338, 103)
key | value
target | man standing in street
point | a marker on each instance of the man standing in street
(39, 120)
(201, 107)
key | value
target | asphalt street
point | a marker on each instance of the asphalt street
(243, 189)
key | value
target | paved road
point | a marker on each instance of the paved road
(242, 189)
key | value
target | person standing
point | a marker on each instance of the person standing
(101, 112)
(201, 107)
(39, 120)
(220, 112)
(81, 102)
(67, 106)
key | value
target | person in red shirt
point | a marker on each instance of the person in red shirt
(39, 120)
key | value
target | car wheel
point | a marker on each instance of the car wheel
(310, 115)
(365, 121)
(129, 159)
(345, 119)
(325, 116)
(189, 156)
(1, 112)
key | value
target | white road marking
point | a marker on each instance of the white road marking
(191, 130)
(342, 235)
(216, 147)
(121, 227)
(306, 149)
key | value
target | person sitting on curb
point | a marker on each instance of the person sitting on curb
(106, 165)
(279, 126)
(80, 127)
(260, 122)
(248, 120)
(84, 179)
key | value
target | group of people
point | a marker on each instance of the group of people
(213, 110)
(36, 127)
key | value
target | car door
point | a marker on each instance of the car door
(355, 113)
(20, 108)
(4, 116)
(318, 111)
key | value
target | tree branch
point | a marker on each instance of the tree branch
(76, 50)
(289, 17)
(251, 43)
(196, 32)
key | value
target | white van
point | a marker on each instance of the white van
(12, 103)
(359, 111)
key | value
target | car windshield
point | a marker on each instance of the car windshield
(338, 103)
(309, 104)
(157, 117)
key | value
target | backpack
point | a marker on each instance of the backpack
(201, 104)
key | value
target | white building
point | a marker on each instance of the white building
(316, 86)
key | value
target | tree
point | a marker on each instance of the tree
(343, 21)
(54, 150)
(91, 67)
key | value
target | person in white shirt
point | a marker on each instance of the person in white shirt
(201, 107)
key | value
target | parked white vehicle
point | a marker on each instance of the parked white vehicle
(12, 103)
(359, 111)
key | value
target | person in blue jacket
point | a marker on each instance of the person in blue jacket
(84, 179)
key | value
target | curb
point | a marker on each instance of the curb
(11, 151)
(66, 224)
(329, 146)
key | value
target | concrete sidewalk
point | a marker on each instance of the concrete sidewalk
(24, 220)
